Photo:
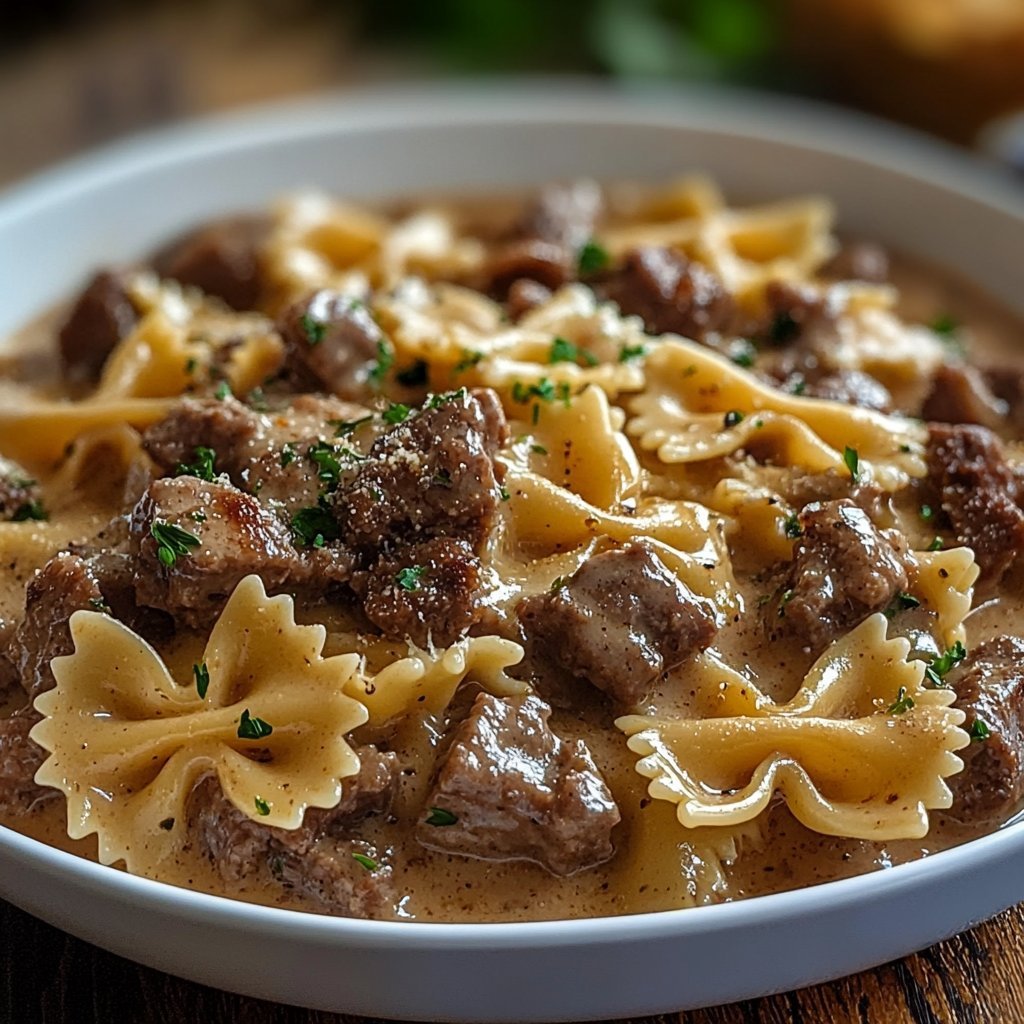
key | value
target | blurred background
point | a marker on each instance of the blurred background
(75, 73)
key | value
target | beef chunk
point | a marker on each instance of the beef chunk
(990, 689)
(670, 293)
(233, 536)
(221, 258)
(858, 261)
(525, 295)
(332, 343)
(548, 264)
(318, 858)
(977, 491)
(959, 394)
(1006, 384)
(519, 792)
(619, 622)
(432, 476)
(425, 592)
(852, 387)
(227, 427)
(19, 493)
(842, 571)
(102, 315)
(20, 759)
(62, 587)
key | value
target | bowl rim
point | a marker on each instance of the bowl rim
(817, 126)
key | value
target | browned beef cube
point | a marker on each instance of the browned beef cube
(221, 259)
(62, 587)
(227, 427)
(332, 343)
(195, 541)
(427, 592)
(619, 622)
(20, 759)
(102, 316)
(959, 394)
(852, 387)
(548, 264)
(20, 497)
(319, 858)
(510, 789)
(670, 293)
(990, 689)
(977, 491)
(843, 570)
(433, 475)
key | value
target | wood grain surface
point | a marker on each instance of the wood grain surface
(51, 978)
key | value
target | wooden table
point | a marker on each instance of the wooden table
(51, 978)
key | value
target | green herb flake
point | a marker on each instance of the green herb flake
(733, 417)
(468, 361)
(409, 577)
(797, 385)
(314, 526)
(222, 391)
(503, 491)
(538, 449)
(172, 542)
(30, 510)
(979, 731)
(936, 544)
(436, 401)
(202, 677)
(783, 329)
(743, 353)
(288, 455)
(97, 604)
(250, 728)
(201, 466)
(199, 516)
(439, 817)
(592, 258)
(190, 366)
(927, 513)
(792, 526)
(852, 460)
(313, 329)
(945, 325)
(630, 352)
(564, 351)
(903, 702)
(262, 807)
(383, 363)
(346, 428)
(905, 600)
(784, 598)
(940, 667)
(396, 413)
(414, 376)
(367, 862)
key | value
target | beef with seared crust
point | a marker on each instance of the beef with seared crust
(103, 315)
(20, 759)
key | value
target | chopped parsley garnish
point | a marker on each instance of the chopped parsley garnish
(97, 604)
(287, 455)
(414, 376)
(436, 401)
(743, 353)
(784, 598)
(199, 516)
(940, 667)
(945, 325)
(903, 702)
(409, 577)
(538, 449)
(250, 728)
(564, 351)
(905, 600)
(783, 329)
(385, 360)
(468, 361)
(262, 807)
(592, 257)
(979, 731)
(503, 491)
(927, 513)
(733, 417)
(30, 510)
(346, 428)
(314, 526)
(190, 365)
(313, 329)
(396, 413)
(557, 583)
(257, 400)
(438, 816)
(797, 385)
(367, 862)
(852, 460)
(544, 390)
(172, 542)
(202, 674)
(327, 458)
(630, 352)
(936, 544)
(792, 527)
(222, 391)
(201, 466)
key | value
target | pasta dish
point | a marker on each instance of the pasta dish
(609, 550)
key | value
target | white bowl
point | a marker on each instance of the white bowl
(898, 189)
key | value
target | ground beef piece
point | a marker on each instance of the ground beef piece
(525, 295)
(977, 491)
(102, 315)
(318, 858)
(20, 759)
(233, 537)
(222, 259)
(843, 570)
(428, 593)
(432, 476)
(851, 387)
(332, 343)
(990, 689)
(619, 622)
(858, 261)
(959, 394)
(670, 293)
(19, 493)
(519, 792)
(62, 587)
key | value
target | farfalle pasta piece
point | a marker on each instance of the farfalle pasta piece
(944, 582)
(127, 742)
(862, 750)
(688, 386)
